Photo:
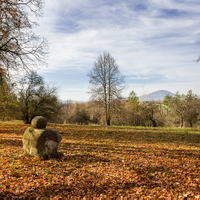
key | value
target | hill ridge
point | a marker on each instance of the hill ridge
(157, 95)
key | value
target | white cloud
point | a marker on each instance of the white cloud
(146, 42)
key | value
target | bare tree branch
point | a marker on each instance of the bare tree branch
(106, 83)
(20, 48)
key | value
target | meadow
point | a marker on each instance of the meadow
(103, 163)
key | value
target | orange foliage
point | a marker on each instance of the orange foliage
(98, 162)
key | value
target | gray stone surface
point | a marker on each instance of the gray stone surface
(39, 141)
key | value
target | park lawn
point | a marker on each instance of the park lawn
(105, 162)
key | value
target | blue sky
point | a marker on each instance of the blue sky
(155, 43)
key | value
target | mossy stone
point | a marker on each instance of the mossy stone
(39, 141)
(39, 122)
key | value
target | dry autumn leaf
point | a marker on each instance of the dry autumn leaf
(102, 162)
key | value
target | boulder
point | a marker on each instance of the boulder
(39, 141)
(39, 122)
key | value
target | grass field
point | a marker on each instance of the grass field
(104, 162)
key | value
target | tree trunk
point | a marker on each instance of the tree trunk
(27, 119)
(3, 116)
(154, 122)
(181, 122)
(108, 121)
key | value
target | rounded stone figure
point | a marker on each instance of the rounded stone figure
(39, 122)
(39, 141)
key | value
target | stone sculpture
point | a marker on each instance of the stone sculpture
(39, 141)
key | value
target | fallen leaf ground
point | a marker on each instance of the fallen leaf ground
(103, 163)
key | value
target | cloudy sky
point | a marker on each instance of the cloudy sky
(154, 42)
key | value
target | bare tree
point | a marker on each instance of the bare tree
(20, 48)
(37, 98)
(106, 83)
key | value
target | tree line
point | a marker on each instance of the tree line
(173, 111)
(22, 50)
(30, 97)
(106, 86)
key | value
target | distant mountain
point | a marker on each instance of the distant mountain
(157, 95)
(72, 101)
